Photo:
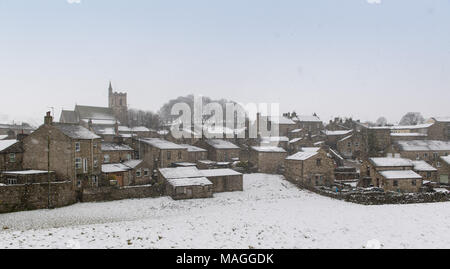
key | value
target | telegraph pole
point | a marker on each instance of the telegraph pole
(48, 170)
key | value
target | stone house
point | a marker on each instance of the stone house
(444, 173)
(11, 155)
(129, 173)
(310, 124)
(406, 181)
(27, 177)
(159, 153)
(351, 146)
(116, 152)
(220, 150)
(275, 141)
(371, 168)
(189, 188)
(267, 159)
(72, 151)
(310, 168)
(332, 137)
(427, 150)
(440, 129)
(285, 125)
(195, 153)
(425, 170)
(376, 140)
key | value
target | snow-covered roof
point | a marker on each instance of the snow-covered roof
(442, 119)
(163, 132)
(4, 144)
(408, 127)
(185, 164)
(140, 129)
(282, 120)
(295, 140)
(161, 143)
(114, 168)
(446, 159)
(95, 112)
(110, 146)
(301, 155)
(336, 154)
(400, 174)
(100, 121)
(180, 172)
(296, 131)
(268, 149)
(132, 163)
(102, 130)
(338, 132)
(76, 131)
(221, 144)
(191, 148)
(2, 137)
(26, 172)
(124, 129)
(423, 166)
(306, 118)
(193, 181)
(69, 116)
(345, 138)
(390, 162)
(408, 134)
(424, 145)
(310, 149)
(219, 172)
(275, 139)
(319, 143)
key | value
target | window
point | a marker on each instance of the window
(428, 174)
(106, 158)
(395, 183)
(169, 155)
(138, 173)
(146, 172)
(94, 180)
(77, 163)
(12, 181)
(425, 155)
(438, 164)
(413, 182)
(179, 155)
(356, 144)
(318, 162)
(12, 157)
(95, 162)
(128, 156)
(95, 146)
(417, 156)
(79, 183)
(77, 146)
(435, 156)
(349, 144)
(85, 165)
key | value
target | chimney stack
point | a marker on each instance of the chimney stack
(90, 124)
(48, 119)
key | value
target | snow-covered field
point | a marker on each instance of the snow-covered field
(270, 213)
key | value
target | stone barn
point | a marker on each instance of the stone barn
(267, 159)
(401, 181)
(220, 150)
(224, 180)
(189, 188)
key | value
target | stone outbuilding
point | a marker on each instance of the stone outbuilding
(11, 155)
(267, 159)
(406, 181)
(220, 150)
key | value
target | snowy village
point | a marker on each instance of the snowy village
(239, 125)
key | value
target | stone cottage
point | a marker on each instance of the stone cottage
(11, 154)
(267, 159)
(159, 153)
(220, 150)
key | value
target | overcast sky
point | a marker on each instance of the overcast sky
(359, 58)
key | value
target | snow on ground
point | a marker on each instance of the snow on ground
(270, 213)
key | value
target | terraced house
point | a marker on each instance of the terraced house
(160, 153)
(70, 150)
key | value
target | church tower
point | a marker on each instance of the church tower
(117, 101)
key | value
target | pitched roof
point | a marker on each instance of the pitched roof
(180, 172)
(442, 119)
(140, 129)
(68, 116)
(95, 112)
(307, 118)
(408, 134)
(75, 131)
(301, 155)
(390, 162)
(400, 174)
(132, 163)
(424, 145)
(114, 168)
(268, 149)
(102, 130)
(295, 140)
(219, 172)
(161, 143)
(110, 146)
(191, 148)
(193, 181)
(4, 144)
(423, 166)
(338, 132)
(446, 159)
(221, 144)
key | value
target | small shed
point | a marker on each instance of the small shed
(189, 188)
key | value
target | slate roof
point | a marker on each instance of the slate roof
(95, 112)
(423, 166)
(268, 149)
(4, 144)
(161, 143)
(221, 144)
(191, 148)
(424, 145)
(109, 146)
(400, 174)
(390, 162)
(68, 116)
(301, 156)
(75, 131)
